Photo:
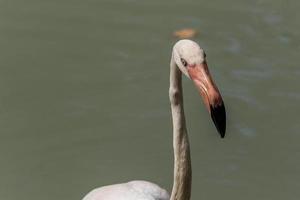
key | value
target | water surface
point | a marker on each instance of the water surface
(84, 101)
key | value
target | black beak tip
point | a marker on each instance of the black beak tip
(218, 115)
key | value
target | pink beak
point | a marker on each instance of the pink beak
(201, 77)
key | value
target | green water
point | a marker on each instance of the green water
(84, 97)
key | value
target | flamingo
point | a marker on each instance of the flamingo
(188, 58)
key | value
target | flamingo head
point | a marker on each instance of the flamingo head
(191, 60)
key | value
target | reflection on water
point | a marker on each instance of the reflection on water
(84, 98)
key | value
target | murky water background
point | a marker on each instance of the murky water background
(84, 102)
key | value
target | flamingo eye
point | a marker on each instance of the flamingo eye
(183, 62)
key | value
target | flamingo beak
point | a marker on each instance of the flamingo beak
(201, 77)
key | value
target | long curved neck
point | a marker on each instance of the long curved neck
(182, 160)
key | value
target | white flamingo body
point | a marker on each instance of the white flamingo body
(189, 59)
(133, 190)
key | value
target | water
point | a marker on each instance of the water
(84, 100)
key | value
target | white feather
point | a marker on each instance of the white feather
(134, 190)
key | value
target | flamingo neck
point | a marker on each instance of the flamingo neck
(182, 160)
